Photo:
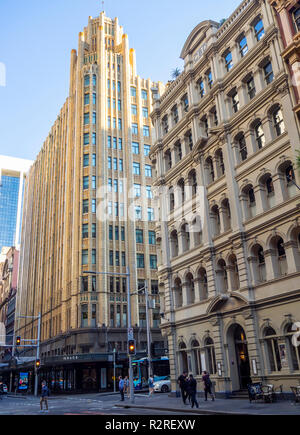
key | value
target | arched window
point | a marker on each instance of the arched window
(268, 192)
(189, 141)
(185, 234)
(181, 187)
(171, 199)
(287, 173)
(249, 202)
(193, 182)
(196, 356)
(178, 151)
(204, 126)
(226, 214)
(278, 253)
(203, 284)
(234, 272)
(278, 121)
(260, 263)
(210, 172)
(174, 244)
(178, 300)
(259, 135)
(216, 222)
(272, 350)
(210, 356)
(220, 163)
(241, 142)
(196, 231)
(183, 358)
(223, 278)
(294, 351)
(190, 289)
(168, 160)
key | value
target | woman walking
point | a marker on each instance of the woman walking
(151, 386)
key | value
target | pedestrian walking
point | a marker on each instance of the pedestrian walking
(127, 386)
(192, 390)
(182, 382)
(151, 386)
(44, 396)
(207, 386)
(122, 388)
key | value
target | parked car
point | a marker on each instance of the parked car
(163, 386)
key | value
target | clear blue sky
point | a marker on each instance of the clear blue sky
(37, 36)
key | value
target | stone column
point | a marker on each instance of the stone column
(270, 264)
(279, 182)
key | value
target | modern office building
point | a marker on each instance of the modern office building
(88, 208)
(12, 174)
(226, 141)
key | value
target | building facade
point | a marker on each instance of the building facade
(226, 140)
(9, 261)
(288, 18)
(87, 208)
(12, 174)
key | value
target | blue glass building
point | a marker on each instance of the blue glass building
(9, 197)
(12, 173)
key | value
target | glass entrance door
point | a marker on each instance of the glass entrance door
(242, 357)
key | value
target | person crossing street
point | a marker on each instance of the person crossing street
(182, 382)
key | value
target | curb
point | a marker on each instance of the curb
(180, 411)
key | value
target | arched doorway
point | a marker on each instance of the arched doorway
(238, 357)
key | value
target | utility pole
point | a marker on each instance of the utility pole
(131, 384)
(115, 371)
(37, 356)
(127, 274)
(148, 330)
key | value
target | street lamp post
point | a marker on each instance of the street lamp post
(115, 370)
(145, 289)
(37, 345)
(127, 274)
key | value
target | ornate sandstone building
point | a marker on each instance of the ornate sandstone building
(226, 140)
(288, 19)
(93, 170)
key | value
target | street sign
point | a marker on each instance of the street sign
(119, 366)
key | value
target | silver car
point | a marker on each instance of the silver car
(163, 386)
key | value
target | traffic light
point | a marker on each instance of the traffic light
(18, 341)
(132, 347)
(38, 363)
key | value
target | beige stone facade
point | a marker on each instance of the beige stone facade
(101, 139)
(225, 147)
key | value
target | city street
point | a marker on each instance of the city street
(75, 405)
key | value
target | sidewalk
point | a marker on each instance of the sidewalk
(219, 407)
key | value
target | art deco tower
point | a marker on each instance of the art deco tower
(98, 147)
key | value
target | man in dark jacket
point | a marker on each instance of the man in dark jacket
(182, 382)
(207, 386)
(192, 390)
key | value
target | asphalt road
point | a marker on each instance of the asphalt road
(72, 405)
